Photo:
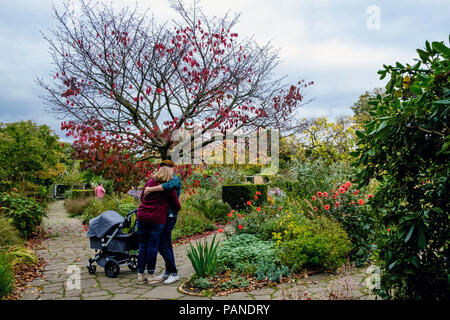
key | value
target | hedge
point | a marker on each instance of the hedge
(237, 195)
(81, 194)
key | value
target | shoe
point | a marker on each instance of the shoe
(141, 278)
(151, 278)
(172, 278)
(163, 276)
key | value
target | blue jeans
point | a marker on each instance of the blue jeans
(149, 237)
(165, 245)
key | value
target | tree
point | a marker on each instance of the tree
(320, 138)
(30, 157)
(127, 83)
(406, 148)
(361, 107)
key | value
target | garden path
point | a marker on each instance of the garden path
(67, 247)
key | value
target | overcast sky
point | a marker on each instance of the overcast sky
(339, 44)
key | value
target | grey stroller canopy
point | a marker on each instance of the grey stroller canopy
(100, 225)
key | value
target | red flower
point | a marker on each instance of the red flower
(319, 194)
(220, 230)
(313, 198)
(240, 227)
(389, 230)
(230, 214)
(361, 202)
(239, 216)
(255, 197)
(353, 202)
(315, 208)
(325, 194)
(356, 192)
(258, 209)
(327, 207)
(337, 204)
(249, 203)
(370, 196)
(258, 193)
(341, 190)
(334, 196)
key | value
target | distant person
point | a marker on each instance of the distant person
(99, 191)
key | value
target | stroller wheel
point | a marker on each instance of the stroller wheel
(132, 263)
(92, 269)
(112, 268)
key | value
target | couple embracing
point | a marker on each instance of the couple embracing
(156, 218)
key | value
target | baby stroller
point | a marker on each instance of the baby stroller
(111, 245)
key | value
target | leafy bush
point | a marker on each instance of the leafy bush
(6, 275)
(406, 147)
(302, 178)
(212, 208)
(348, 206)
(9, 236)
(120, 205)
(204, 257)
(237, 195)
(236, 281)
(81, 194)
(244, 248)
(24, 213)
(269, 270)
(21, 255)
(315, 244)
(189, 223)
(76, 207)
(201, 283)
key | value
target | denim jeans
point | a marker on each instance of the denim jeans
(149, 237)
(165, 245)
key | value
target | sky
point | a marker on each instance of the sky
(338, 44)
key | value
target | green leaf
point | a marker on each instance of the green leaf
(408, 236)
(416, 90)
(421, 240)
(440, 47)
(360, 134)
(423, 55)
(392, 265)
(371, 153)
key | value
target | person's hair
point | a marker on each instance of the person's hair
(164, 174)
(167, 163)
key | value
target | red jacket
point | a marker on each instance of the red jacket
(154, 206)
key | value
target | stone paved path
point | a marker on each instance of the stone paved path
(68, 247)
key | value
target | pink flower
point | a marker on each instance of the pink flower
(337, 204)
(313, 198)
(327, 207)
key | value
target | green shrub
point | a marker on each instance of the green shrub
(303, 178)
(21, 255)
(81, 194)
(201, 283)
(237, 195)
(6, 276)
(315, 244)
(269, 270)
(203, 257)
(190, 223)
(9, 236)
(76, 207)
(25, 214)
(245, 248)
(406, 147)
(236, 281)
(212, 208)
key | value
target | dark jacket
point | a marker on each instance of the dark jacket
(155, 205)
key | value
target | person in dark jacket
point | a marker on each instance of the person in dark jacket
(151, 219)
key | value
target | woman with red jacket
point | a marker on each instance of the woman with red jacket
(151, 218)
